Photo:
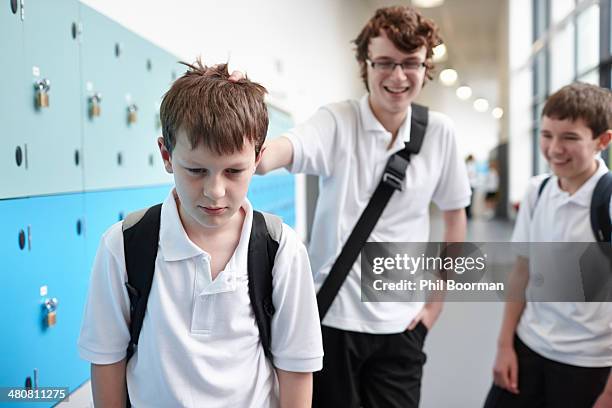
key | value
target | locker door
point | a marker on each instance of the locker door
(103, 67)
(155, 76)
(19, 294)
(13, 161)
(58, 262)
(137, 81)
(51, 53)
(165, 69)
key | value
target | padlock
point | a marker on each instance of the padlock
(94, 105)
(51, 319)
(132, 114)
(42, 99)
(42, 93)
(51, 307)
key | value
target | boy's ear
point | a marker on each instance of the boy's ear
(259, 156)
(604, 139)
(165, 154)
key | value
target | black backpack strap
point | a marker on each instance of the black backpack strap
(263, 245)
(140, 243)
(600, 208)
(542, 185)
(392, 180)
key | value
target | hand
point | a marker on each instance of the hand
(505, 371)
(236, 76)
(427, 315)
(605, 399)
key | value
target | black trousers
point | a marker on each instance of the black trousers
(370, 370)
(545, 383)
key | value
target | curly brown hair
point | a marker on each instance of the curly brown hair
(213, 110)
(407, 29)
(590, 103)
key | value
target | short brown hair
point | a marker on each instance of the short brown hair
(213, 110)
(590, 103)
(407, 29)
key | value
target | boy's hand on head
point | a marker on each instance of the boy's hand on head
(236, 76)
(505, 371)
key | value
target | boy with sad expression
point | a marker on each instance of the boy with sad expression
(200, 344)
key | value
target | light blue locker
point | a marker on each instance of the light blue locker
(102, 69)
(13, 159)
(155, 68)
(52, 53)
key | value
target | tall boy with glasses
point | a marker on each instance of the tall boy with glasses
(374, 351)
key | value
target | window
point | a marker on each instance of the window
(587, 30)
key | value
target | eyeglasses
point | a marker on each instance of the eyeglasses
(389, 66)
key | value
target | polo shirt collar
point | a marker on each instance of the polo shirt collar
(174, 243)
(584, 194)
(371, 124)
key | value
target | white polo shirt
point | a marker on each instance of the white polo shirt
(200, 345)
(573, 333)
(346, 146)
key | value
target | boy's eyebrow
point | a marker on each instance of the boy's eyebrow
(195, 164)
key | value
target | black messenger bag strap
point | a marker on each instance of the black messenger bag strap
(392, 180)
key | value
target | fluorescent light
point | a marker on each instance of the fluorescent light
(497, 113)
(448, 77)
(427, 3)
(439, 52)
(481, 105)
(464, 92)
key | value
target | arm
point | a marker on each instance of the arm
(295, 389)
(275, 154)
(455, 226)
(605, 399)
(505, 371)
(108, 385)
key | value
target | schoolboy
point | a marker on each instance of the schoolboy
(558, 354)
(199, 345)
(374, 351)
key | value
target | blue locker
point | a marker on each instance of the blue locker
(13, 159)
(53, 257)
(101, 69)
(51, 49)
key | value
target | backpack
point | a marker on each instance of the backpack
(600, 207)
(140, 243)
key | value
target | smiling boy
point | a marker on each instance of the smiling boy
(559, 354)
(200, 345)
(374, 351)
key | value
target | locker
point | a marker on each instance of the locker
(53, 225)
(104, 208)
(51, 50)
(13, 160)
(103, 68)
